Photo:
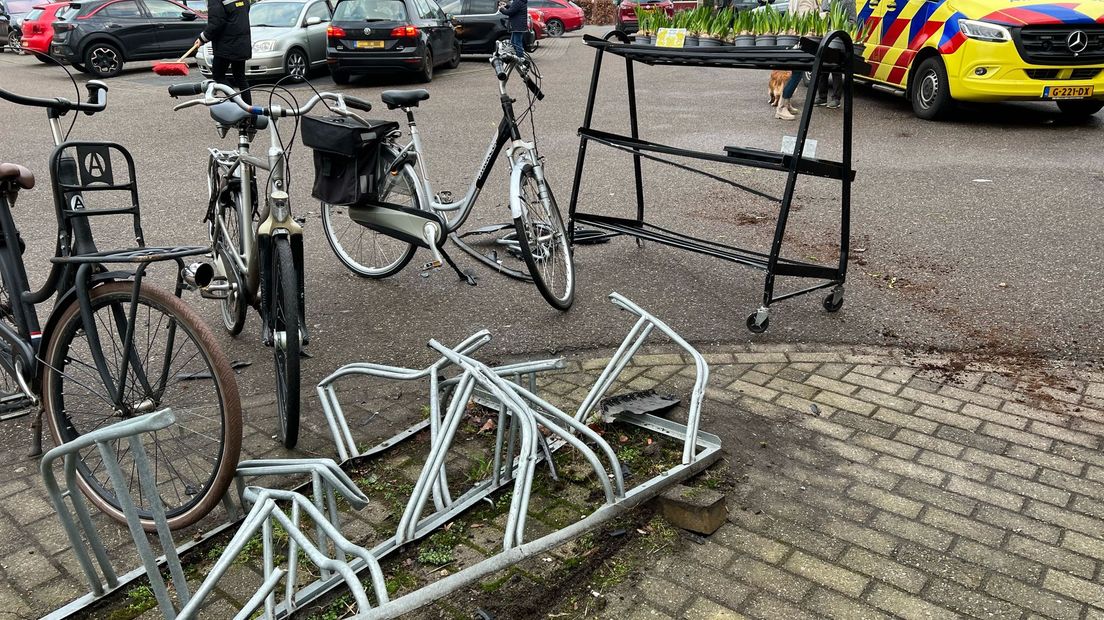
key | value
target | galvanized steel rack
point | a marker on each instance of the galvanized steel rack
(834, 53)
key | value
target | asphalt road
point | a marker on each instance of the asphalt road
(981, 234)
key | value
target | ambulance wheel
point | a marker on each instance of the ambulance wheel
(931, 94)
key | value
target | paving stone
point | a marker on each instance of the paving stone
(993, 415)
(743, 541)
(786, 386)
(985, 493)
(939, 564)
(708, 610)
(969, 602)
(936, 496)
(884, 569)
(1074, 587)
(1034, 413)
(868, 475)
(973, 438)
(768, 607)
(1088, 545)
(688, 573)
(911, 470)
(885, 500)
(954, 466)
(877, 385)
(1052, 556)
(751, 389)
(928, 442)
(1000, 561)
(891, 416)
(832, 385)
(848, 451)
(1018, 523)
(1014, 436)
(1002, 463)
(898, 374)
(911, 530)
(943, 416)
(1064, 518)
(1033, 598)
(935, 400)
(905, 605)
(887, 446)
(663, 594)
(860, 535)
(1064, 434)
(806, 539)
(826, 574)
(969, 528)
(831, 605)
(769, 578)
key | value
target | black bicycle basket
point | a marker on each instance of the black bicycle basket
(346, 157)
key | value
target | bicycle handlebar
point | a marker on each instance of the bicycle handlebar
(504, 59)
(210, 88)
(97, 100)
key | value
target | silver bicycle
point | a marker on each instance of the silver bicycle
(377, 240)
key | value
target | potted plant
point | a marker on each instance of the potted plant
(787, 31)
(642, 25)
(686, 19)
(765, 29)
(719, 27)
(744, 29)
(659, 21)
(837, 20)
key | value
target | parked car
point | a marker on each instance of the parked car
(289, 38)
(626, 12)
(100, 36)
(374, 36)
(479, 25)
(537, 25)
(12, 27)
(560, 15)
(38, 29)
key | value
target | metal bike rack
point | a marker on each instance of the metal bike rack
(519, 448)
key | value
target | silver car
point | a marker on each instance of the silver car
(289, 37)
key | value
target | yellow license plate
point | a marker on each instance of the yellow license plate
(1067, 92)
(364, 44)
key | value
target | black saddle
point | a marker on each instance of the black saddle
(404, 98)
(229, 114)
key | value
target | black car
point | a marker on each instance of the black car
(379, 36)
(100, 35)
(12, 13)
(479, 25)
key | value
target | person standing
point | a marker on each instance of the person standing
(228, 33)
(830, 86)
(785, 110)
(518, 12)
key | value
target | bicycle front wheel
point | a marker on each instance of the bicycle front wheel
(286, 341)
(366, 252)
(173, 362)
(543, 239)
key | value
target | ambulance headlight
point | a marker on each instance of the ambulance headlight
(984, 31)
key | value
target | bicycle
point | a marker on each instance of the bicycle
(113, 347)
(384, 234)
(257, 249)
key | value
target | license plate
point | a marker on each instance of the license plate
(365, 44)
(1067, 92)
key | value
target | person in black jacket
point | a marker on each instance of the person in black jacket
(228, 32)
(518, 12)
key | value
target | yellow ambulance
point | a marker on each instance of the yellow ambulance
(941, 51)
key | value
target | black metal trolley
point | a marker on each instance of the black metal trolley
(833, 53)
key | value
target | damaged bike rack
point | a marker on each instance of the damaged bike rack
(520, 445)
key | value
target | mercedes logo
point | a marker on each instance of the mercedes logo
(1077, 41)
(368, 33)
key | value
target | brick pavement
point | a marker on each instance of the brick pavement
(861, 483)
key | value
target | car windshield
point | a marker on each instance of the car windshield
(33, 15)
(19, 7)
(68, 12)
(275, 14)
(370, 10)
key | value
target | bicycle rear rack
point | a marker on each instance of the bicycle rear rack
(519, 447)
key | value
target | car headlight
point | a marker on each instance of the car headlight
(264, 46)
(984, 31)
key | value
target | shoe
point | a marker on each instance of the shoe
(820, 103)
(791, 109)
(783, 114)
(833, 104)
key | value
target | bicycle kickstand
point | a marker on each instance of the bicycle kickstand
(432, 235)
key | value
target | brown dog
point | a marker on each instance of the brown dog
(778, 80)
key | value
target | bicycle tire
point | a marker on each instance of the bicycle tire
(542, 238)
(194, 431)
(285, 318)
(337, 225)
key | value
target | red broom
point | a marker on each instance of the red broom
(178, 67)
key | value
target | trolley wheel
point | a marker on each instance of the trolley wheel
(833, 302)
(757, 328)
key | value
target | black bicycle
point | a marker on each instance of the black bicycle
(113, 347)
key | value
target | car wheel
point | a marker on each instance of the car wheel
(339, 77)
(931, 95)
(103, 60)
(13, 41)
(455, 62)
(296, 65)
(426, 74)
(1080, 109)
(555, 28)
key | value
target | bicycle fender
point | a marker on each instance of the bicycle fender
(70, 297)
(515, 187)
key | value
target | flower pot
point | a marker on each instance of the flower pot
(640, 39)
(744, 40)
(650, 40)
(710, 42)
(765, 40)
(690, 41)
(787, 40)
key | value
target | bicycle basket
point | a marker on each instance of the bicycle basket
(346, 154)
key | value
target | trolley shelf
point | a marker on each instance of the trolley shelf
(834, 53)
(756, 158)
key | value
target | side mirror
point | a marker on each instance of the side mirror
(188, 16)
(4, 19)
(312, 21)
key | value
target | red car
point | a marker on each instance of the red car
(561, 15)
(537, 25)
(38, 28)
(626, 12)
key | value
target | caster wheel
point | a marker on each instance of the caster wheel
(757, 328)
(833, 302)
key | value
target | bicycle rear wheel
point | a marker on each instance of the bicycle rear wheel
(366, 252)
(227, 244)
(543, 239)
(179, 365)
(286, 342)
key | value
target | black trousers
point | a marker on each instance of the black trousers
(237, 75)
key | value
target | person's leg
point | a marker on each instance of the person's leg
(218, 69)
(822, 90)
(836, 91)
(785, 110)
(518, 39)
(238, 81)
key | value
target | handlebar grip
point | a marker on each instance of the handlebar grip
(499, 68)
(187, 90)
(533, 87)
(357, 103)
(97, 97)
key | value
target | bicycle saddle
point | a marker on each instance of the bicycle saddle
(22, 176)
(404, 98)
(230, 115)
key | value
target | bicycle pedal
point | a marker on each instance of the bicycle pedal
(431, 265)
(444, 198)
